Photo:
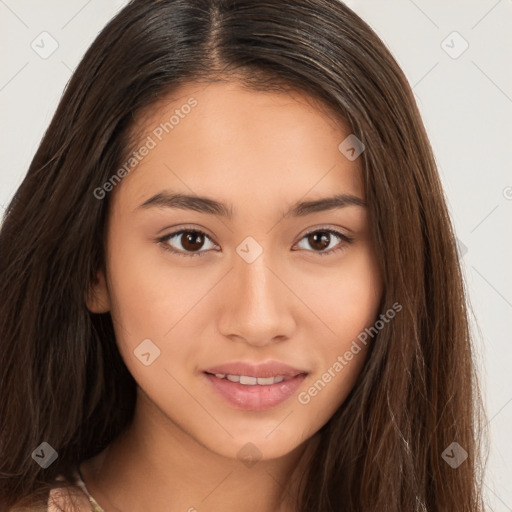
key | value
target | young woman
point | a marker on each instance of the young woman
(229, 280)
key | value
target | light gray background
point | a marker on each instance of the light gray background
(466, 103)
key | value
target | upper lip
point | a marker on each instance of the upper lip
(266, 369)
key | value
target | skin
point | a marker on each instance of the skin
(259, 152)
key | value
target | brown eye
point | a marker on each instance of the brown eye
(192, 241)
(322, 239)
(319, 240)
(187, 242)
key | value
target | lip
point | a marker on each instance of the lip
(254, 398)
(265, 369)
(257, 397)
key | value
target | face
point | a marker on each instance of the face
(256, 268)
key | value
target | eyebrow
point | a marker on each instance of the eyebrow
(211, 206)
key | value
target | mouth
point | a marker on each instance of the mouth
(248, 371)
(247, 380)
(254, 390)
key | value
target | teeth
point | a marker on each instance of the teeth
(276, 380)
(250, 381)
(266, 381)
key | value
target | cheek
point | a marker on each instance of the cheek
(149, 297)
(346, 295)
(157, 297)
(346, 298)
(149, 294)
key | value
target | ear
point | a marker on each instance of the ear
(98, 297)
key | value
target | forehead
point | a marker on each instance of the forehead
(223, 140)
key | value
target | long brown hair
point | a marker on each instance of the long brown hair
(62, 380)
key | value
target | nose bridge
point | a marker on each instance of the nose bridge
(257, 287)
(251, 262)
(255, 304)
(255, 278)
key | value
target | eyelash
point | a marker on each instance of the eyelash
(346, 239)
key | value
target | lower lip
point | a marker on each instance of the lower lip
(255, 398)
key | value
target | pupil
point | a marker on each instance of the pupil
(191, 241)
(320, 240)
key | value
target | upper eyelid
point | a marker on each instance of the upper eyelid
(328, 229)
(180, 231)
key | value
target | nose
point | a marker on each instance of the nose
(258, 306)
